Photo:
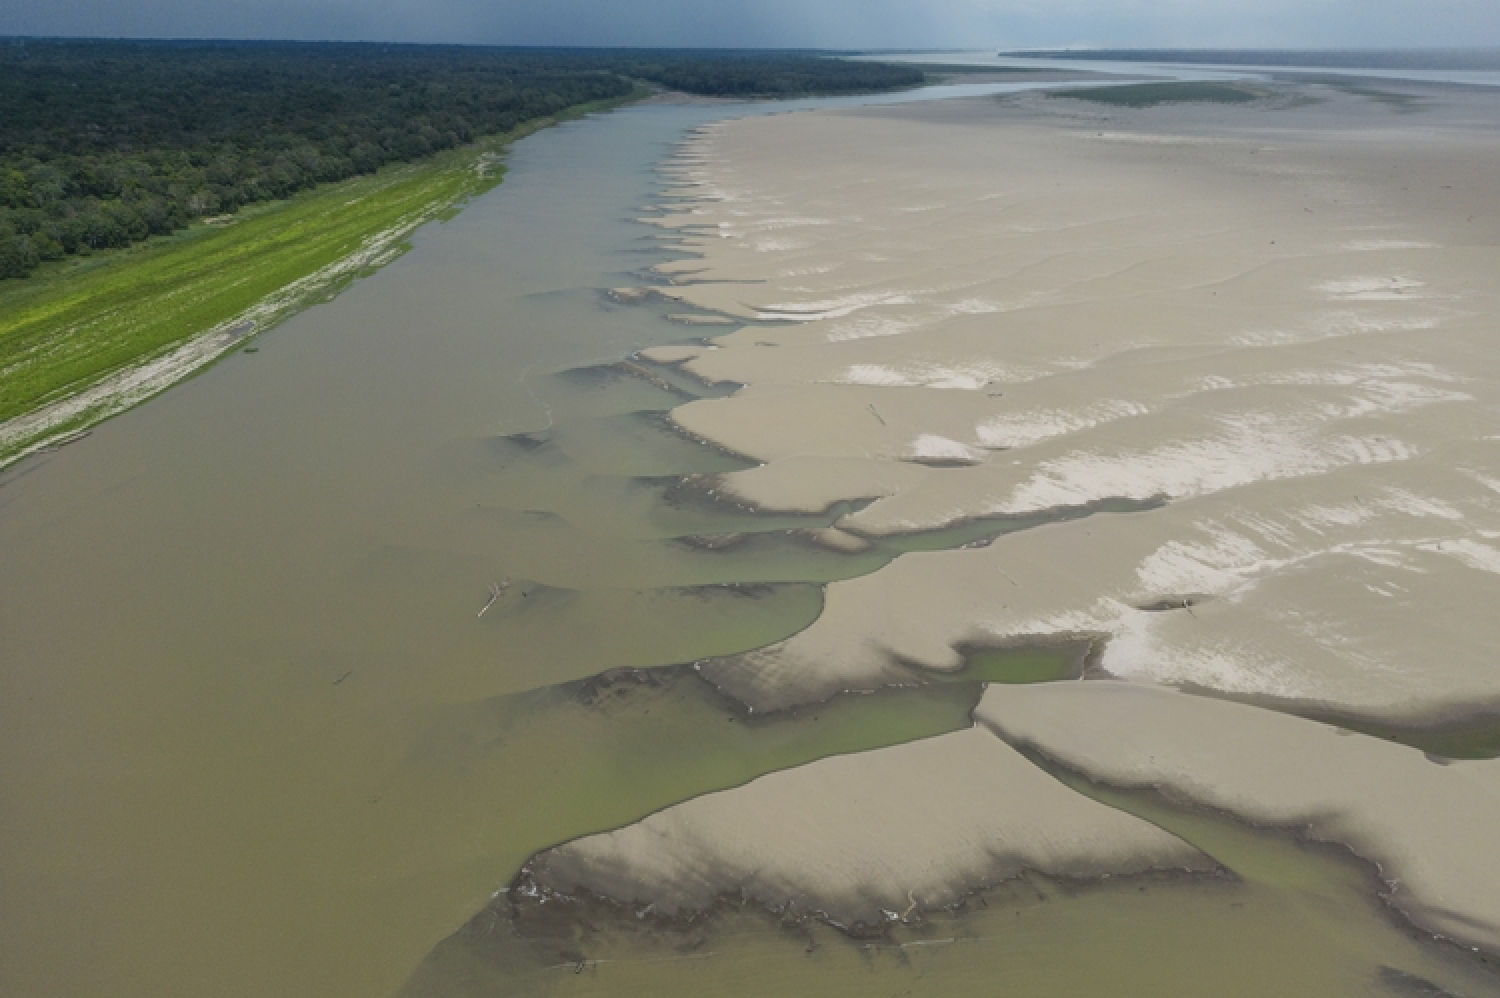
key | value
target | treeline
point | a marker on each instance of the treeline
(103, 144)
(764, 74)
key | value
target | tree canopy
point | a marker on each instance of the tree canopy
(105, 143)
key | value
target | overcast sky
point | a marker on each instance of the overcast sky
(976, 24)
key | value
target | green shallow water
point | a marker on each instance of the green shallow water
(257, 739)
(562, 762)
(232, 619)
(1291, 921)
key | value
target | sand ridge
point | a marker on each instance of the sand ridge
(1272, 324)
(1338, 589)
(1009, 309)
(862, 839)
(1429, 825)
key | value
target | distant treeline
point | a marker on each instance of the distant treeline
(758, 74)
(1311, 58)
(103, 144)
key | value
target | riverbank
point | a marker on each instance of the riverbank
(88, 338)
(248, 688)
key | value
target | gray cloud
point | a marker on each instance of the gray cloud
(980, 24)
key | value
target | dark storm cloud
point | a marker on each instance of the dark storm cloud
(815, 23)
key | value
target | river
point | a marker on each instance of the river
(257, 738)
(235, 621)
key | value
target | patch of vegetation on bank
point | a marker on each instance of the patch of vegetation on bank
(1138, 95)
(152, 193)
(107, 143)
(79, 321)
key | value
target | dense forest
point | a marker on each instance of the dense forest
(105, 143)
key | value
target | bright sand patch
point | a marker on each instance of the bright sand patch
(1278, 320)
(1343, 588)
(1429, 827)
(865, 838)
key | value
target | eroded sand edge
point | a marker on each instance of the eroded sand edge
(1277, 319)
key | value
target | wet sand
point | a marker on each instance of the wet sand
(1275, 320)
(1293, 920)
(1426, 823)
(861, 840)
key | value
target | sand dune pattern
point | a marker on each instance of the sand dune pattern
(1271, 319)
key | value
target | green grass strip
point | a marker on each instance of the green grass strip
(74, 325)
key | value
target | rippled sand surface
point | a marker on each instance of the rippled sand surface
(1273, 324)
(1427, 823)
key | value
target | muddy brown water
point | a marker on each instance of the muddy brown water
(232, 620)
(256, 737)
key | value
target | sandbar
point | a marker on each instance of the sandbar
(864, 839)
(1268, 328)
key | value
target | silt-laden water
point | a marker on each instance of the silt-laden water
(257, 739)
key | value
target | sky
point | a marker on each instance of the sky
(837, 24)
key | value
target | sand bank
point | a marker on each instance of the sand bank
(1429, 825)
(1341, 589)
(1277, 318)
(864, 839)
(1275, 321)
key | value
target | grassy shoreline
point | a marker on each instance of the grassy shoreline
(90, 338)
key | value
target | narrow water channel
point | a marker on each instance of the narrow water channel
(256, 737)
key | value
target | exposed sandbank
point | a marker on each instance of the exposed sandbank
(1429, 826)
(1340, 589)
(1004, 308)
(862, 839)
(1275, 317)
